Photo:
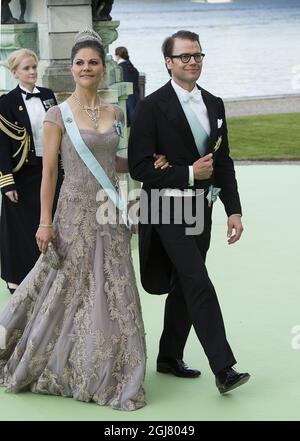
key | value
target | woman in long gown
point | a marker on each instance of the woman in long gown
(75, 328)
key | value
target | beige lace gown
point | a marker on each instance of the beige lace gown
(77, 331)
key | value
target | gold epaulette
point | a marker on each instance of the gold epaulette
(18, 134)
(5, 180)
(12, 130)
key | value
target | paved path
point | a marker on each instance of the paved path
(262, 105)
(258, 285)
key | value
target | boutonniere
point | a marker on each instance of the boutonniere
(49, 103)
(220, 122)
(212, 194)
(217, 144)
(118, 128)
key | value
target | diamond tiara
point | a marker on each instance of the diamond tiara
(87, 35)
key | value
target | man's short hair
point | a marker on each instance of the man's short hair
(168, 44)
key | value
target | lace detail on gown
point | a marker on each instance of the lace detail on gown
(77, 331)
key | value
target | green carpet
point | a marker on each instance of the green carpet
(257, 281)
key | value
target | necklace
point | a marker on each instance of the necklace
(92, 112)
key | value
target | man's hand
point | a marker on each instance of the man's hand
(234, 223)
(12, 195)
(203, 167)
(160, 161)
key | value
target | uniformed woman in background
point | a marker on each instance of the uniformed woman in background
(22, 112)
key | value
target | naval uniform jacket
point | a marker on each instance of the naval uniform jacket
(13, 110)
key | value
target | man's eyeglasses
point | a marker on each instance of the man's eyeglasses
(185, 58)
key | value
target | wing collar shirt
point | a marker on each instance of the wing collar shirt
(195, 100)
(36, 113)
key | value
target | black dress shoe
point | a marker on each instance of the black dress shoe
(177, 368)
(229, 379)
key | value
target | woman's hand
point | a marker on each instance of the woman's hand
(43, 236)
(12, 196)
(160, 161)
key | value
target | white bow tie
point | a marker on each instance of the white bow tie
(194, 96)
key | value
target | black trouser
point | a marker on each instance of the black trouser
(192, 299)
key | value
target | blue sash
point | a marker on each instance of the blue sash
(201, 140)
(200, 135)
(91, 162)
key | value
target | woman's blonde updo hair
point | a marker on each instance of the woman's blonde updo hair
(18, 56)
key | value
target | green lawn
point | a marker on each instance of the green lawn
(265, 137)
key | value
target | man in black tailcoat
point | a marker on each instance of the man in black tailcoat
(187, 124)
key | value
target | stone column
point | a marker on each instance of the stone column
(142, 84)
(117, 90)
(65, 19)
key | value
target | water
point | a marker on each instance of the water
(252, 46)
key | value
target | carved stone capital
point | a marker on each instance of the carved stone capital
(17, 36)
(107, 31)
